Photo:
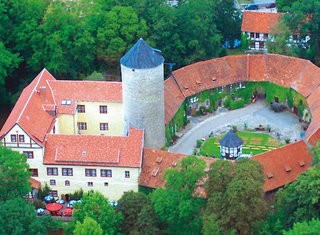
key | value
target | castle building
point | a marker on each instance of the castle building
(106, 136)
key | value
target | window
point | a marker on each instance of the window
(81, 108)
(52, 171)
(104, 126)
(67, 183)
(82, 125)
(29, 154)
(67, 171)
(90, 184)
(127, 174)
(106, 173)
(91, 172)
(54, 193)
(106, 184)
(13, 138)
(251, 35)
(103, 109)
(52, 182)
(21, 138)
(34, 172)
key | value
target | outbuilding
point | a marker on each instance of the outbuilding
(230, 146)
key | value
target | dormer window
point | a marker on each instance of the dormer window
(66, 102)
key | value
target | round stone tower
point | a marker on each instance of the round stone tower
(142, 75)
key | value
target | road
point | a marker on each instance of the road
(283, 125)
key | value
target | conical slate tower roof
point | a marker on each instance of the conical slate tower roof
(142, 56)
(231, 140)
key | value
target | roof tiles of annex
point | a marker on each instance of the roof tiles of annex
(29, 109)
(156, 161)
(259, 22)
(94, 150)
(173, 98)
(91, 91)
(205, 75)
(283, 165)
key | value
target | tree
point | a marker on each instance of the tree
(14, 174)
(19, 217)
(97, 207)
(306, 228)
(88, 227)
(235, 195)
(302, 20)
(178, 210)
(138, 213)
(298, 201)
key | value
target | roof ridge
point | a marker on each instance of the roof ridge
(30, 95)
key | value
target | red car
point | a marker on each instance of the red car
(271, 5)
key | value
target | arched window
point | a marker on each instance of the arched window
(67, 183)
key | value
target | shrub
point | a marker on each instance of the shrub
(42, 192)
(77, 195)
(199, 143)
(287, 140)
(236, 104)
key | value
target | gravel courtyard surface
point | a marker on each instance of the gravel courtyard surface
(284, 125)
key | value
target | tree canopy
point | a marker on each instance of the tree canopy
(14, 174)
(97, 207)
(178, 210)
(72, 39)
(235, 196)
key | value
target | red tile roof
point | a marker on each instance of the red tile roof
(298, 74)
(154, 164)
(283, 165)
(259, 22)
(84, 91)
(34, 183)
(86, 150)
(173, 98)
(29, 112)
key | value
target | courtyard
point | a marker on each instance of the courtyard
(284, 126)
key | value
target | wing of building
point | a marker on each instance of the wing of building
(73, 131)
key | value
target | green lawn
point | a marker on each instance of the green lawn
(252, 142)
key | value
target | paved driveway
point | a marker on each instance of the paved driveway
(283, 125)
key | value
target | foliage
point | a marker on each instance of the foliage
(88, 227)
(76, 195)
(14, 173)
(305, 228)
(95, 76)
(19, 217)
(96, 206)
(43, 191)
(138, 213)
(179, 120)
(239, 193)
(179, 212)
(298, 201)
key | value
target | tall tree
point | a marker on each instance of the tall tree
(19, 217)
(97, 207)
(138, 213)
(88, 227)
(179, 211)
(306, 228)
(235, 195)
(14, 174)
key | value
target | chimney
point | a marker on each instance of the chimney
(43, 92)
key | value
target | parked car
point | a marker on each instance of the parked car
(252, 7)
(271, 5)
